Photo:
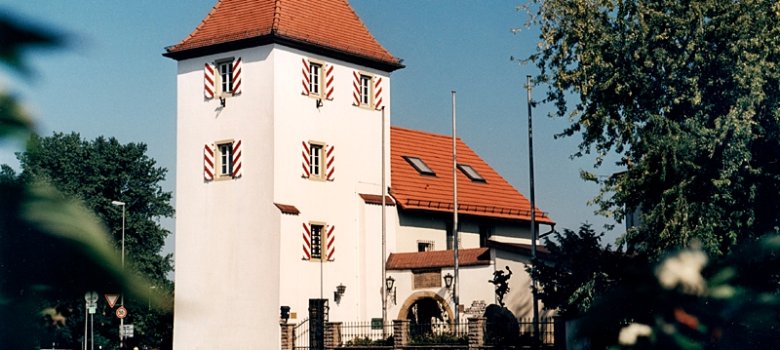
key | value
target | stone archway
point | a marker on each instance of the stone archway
(425, 298)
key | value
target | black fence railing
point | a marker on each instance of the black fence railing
(438, 333)
(366, 333)
(301, 335)
(546, 329)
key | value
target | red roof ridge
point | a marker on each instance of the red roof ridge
(429, 133)
(328, 27)
(438, 259)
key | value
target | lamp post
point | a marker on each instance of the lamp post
(122, 295)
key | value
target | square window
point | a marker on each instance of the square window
(420, 166)
(471, 173)
(425, 246)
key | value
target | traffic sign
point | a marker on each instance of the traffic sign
(121, 312)
(91, 297)
(126, 331)
(111, 299)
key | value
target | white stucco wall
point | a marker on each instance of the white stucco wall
(354, 132)
(227, 260)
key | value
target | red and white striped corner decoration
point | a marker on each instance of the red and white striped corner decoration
(329, 82)
(331, 243)
(305, 154)
(208, 81)
(236, 88)
(305, 71)
(356, 86)
(306, 242)
(237, 170)
(208, 163)
(330, 168)
(378, 93)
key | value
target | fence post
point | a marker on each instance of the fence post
(332, 335)
(559, 330)
(288, 335)
(476, 332)
(400, 333)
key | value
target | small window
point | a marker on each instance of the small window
(225, 69)
(225, 159)
(315, 78)
(420, 166)
(316, 241)
(425, 246)
(315, 160)
(365, 90)
(471, 173)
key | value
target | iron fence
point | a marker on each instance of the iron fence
(441, 332)
(546, 329)
(301, 335)
(366, 333)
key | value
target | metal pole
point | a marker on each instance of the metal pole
(86, 325)
(384, 232)
(533, 210)
(122, 302)
(455, 284)
(92, 329)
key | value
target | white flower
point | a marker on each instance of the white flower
(630, 333)
(683, 269)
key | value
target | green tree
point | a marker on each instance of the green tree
(577, 269)
(98, 172)
(53, 248)
(687, 95)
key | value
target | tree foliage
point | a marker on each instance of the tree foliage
(575, 270)
(98, 172)
(687, 94)
(54, 248)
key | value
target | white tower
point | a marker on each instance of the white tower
(278, 129)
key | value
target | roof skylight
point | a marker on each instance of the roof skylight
(420, 166)
(471, 173)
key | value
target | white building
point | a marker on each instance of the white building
(279, 174)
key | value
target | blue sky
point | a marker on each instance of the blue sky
(112, 80)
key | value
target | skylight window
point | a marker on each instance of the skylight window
(420, 166)
(471, 173)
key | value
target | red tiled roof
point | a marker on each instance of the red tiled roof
(438, 259)
(493, 198)
(328, 24)
(287, 209)
(377, 199)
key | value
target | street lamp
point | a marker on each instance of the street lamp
(122, 300)
(389, 281)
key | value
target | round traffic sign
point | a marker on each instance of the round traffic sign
(121, 312)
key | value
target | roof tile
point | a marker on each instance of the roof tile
(493, 198)
(331, 24)
(438, 259)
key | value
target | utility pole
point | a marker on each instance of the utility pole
(533, 211)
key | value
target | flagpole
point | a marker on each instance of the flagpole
(533, 210)
(455, 284)
(384, 231)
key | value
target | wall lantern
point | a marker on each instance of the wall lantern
(284, 313)
(389, 284)
(448, 280)
(340, 289)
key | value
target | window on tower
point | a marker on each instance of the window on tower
(315, 78)
(315, 160)
(317, 238)
(225, 69)
(365, 90)
(225, 159)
